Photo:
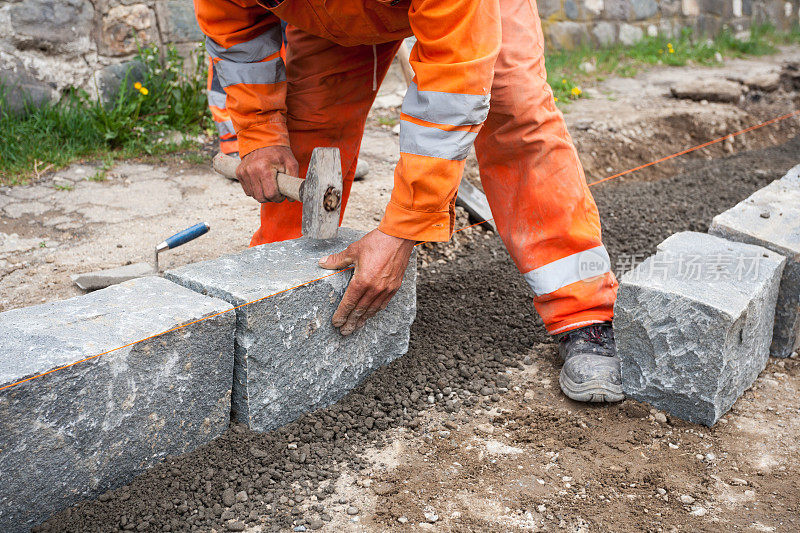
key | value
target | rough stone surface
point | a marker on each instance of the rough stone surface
(604, 33)
(644, 9)
(767, 81)
(770, 218)
(110, 79)
(693, 324)
(289, 358)
(80, 431)
(566, 35)
(127, 27)
(711, 90)
(22, 89)
(178, 21)
(630, 35)
(52, 26)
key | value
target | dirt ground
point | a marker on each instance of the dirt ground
(468, 431)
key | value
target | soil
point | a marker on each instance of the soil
(469, 431)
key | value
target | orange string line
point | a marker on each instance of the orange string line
(671, 156)
(699, 146)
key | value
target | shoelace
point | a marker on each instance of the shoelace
(594, 334)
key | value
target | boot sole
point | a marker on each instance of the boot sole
(595, 390)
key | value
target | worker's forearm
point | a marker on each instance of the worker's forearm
(244, 42)
(443, 110)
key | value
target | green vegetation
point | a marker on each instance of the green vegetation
(164, 98)
(387, 121)
(568, 69)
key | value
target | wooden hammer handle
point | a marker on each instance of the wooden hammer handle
(289, 186)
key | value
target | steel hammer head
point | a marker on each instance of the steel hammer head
(322, 194)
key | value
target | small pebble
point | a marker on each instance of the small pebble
(688, 500)
(402, 520)
(699, 511)
(486, 429)
(431, 517)
(661, 418)
(352, 511)
(236, 525)
(765, 214)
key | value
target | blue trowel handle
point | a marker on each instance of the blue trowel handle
(182, 237)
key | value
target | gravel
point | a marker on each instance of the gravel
(475, 320)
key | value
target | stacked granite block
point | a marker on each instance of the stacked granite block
(693, 324)
(83, 429)
(289, 357)
(770, 217)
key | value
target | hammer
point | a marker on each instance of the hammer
(320, 192)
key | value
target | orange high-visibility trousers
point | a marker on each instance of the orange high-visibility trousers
(529, 167)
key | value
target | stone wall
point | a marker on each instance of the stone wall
(51, 45)
(569, 24)
(56, 44)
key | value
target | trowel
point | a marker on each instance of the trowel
(101, 279)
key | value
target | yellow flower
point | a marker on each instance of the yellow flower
(576, 91)
(671, 51)
(556, 97)
(661, 51)
(144, 91)
(137, 85)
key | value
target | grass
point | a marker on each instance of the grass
(567, 70)
(163, 98)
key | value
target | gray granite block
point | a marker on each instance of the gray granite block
(770, 217)
(693, 324)
(79, 431)
(289, 358)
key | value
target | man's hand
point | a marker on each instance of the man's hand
(259, 169)
(380, 261)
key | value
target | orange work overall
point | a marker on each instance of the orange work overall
(479, 79)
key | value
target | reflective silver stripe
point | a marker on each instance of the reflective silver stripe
(217, 99)
(446, 108)
(225, 128)
(576, 267)
(255, 49)
(231, 73)
(433, 142)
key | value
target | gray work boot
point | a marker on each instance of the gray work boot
(591, 365)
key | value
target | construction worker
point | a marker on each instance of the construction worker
(479, 78)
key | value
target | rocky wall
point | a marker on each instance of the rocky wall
(56, 44)
(51, 45)
(569, 24)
